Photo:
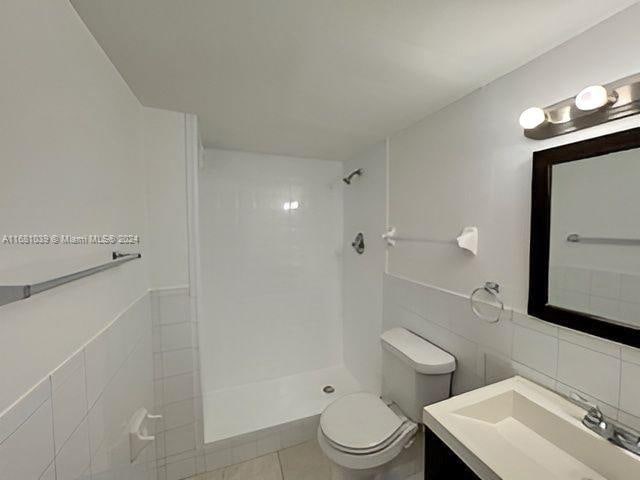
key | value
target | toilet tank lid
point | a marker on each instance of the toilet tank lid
(422, 356)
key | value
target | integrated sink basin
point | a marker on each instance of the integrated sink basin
(516, 429)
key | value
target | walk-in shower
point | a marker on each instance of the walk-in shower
(270, 316)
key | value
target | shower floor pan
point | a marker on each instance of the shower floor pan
(250, 407)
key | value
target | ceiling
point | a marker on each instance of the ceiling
(323, 78)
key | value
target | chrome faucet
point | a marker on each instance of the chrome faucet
(606, 427)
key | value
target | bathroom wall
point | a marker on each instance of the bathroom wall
(179, 445)
(558, 358)
(165, 144)
(469, 164)
(73, 424)
(71, 154)
(168, 141)
(78, 150)
(271, 277)
(365, 206)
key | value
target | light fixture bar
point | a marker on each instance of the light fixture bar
(565, 117)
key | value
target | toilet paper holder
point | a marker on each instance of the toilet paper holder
(139, 436)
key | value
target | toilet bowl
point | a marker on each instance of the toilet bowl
(360, 433)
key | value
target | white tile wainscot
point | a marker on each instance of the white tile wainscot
(176, 376)
(600, 292)
(558, 358)
(69, 426)
(180, 448)
(96, 390)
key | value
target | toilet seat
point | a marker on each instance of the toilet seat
(359, 422)
(360, 431)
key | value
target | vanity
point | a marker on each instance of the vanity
(584, 268)
(518, 430)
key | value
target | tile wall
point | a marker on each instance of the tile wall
(561, 359)
(271, 275)
(180, 450)
(365, 204)
(607, 294)
(73, 424)
(176, 384)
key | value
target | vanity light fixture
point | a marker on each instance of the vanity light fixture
(532, 118)
(290, 205)
(594, 105)
(594, 97)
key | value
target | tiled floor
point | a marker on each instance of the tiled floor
(302, 462)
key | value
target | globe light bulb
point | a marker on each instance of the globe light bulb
(592, 97)
(532, 118)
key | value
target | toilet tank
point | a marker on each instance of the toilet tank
(415, 372)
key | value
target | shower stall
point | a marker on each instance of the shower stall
(270, 268)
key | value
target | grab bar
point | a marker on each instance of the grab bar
(13, 293)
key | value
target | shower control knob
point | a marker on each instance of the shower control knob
(358, 243)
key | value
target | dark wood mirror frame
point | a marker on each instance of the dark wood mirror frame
(543, 162)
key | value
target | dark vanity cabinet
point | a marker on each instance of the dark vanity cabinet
(441, 463)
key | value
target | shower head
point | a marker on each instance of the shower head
(348, 178)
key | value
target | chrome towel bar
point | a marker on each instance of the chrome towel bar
(467, 240)
(575, 238)
(13, 293)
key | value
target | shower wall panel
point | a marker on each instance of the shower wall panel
(271, 234)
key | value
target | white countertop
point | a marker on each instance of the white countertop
(518, 430)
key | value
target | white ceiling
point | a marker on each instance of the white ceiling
(323, 78)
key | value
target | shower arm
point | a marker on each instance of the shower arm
(348, 178)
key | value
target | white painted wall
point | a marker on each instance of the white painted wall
(70, 146)
(470, 164)
(271, 279)
(365, 205)
(166, 188)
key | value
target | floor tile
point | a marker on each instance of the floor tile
(261, 468)
(305, 462)
(217, 475)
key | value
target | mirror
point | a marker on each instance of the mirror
(585, 236)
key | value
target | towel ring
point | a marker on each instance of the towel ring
(492, 289)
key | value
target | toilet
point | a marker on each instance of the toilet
(361, 433)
